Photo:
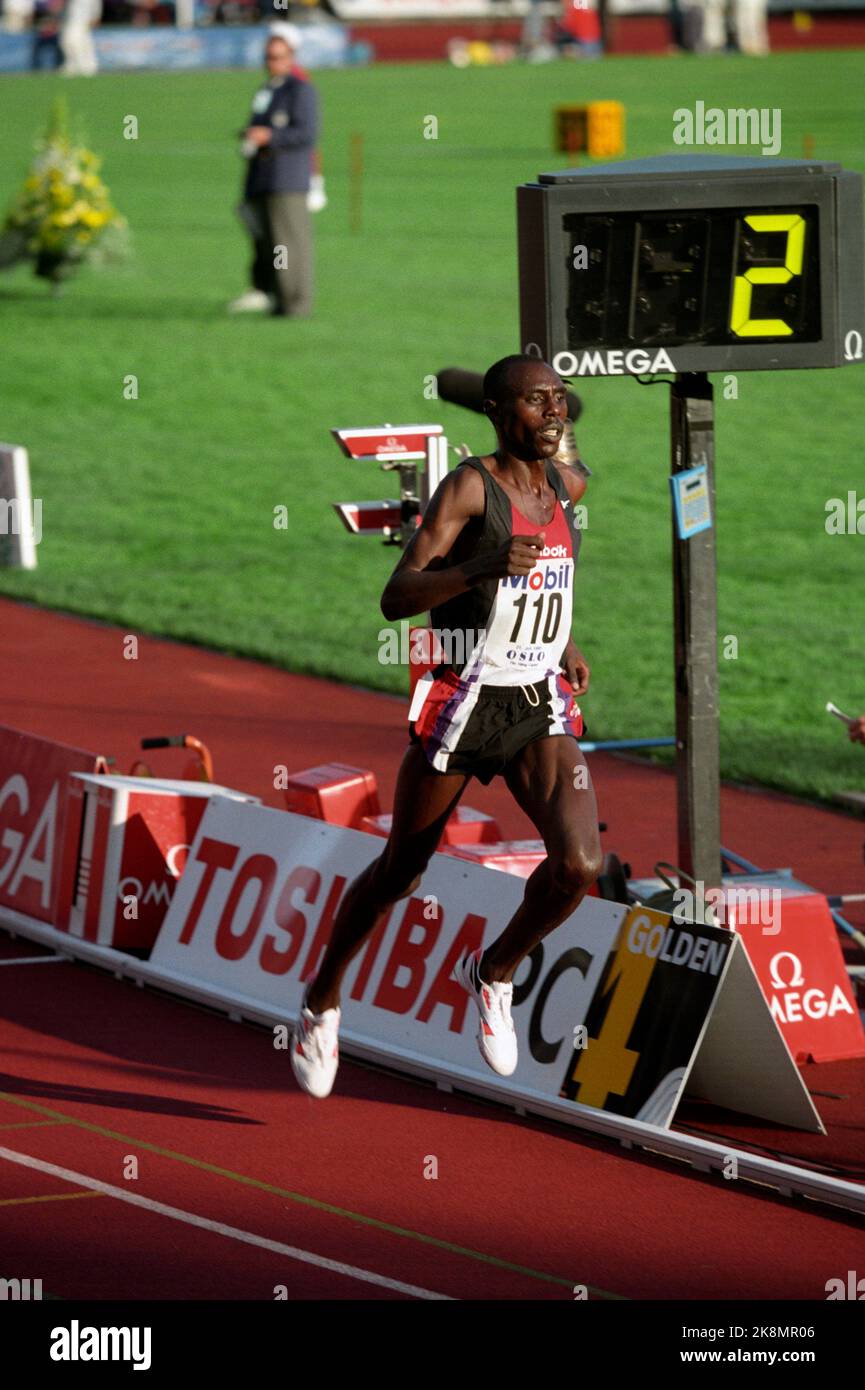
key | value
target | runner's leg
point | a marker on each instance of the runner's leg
(423, 801)
(542, 777)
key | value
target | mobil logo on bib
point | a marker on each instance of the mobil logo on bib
(552, 573)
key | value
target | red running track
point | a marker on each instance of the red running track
(330, 1199)
(98, 1073)
(71, 682)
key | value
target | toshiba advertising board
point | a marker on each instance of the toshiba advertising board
(254, 907)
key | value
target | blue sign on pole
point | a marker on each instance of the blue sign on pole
(691, 500)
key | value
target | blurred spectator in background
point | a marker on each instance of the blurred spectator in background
(701, 25)
(76, 37)
(746, 20)
(231, 12)
(47, 15)
(750, 26)
(143, 13)
(534, 44)
(17, 15)
(578, 32)
(294, 9)
(676, 39)
(254, 11)
(278, 144)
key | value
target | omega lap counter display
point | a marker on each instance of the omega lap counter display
(692, 264)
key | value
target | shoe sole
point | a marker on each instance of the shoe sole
(316, 1095)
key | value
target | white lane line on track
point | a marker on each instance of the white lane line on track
(231, 1232)
(35, 960)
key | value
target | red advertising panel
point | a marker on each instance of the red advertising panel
(801, 971)
(33, 779)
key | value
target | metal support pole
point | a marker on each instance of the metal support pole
(434, 470)
(696, 642)
(409, 500)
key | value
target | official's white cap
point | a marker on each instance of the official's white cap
(289, 33)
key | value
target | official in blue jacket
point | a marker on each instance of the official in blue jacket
(278, 144)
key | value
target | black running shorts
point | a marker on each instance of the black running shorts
(477, 730)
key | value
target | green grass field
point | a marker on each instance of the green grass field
(158, 512)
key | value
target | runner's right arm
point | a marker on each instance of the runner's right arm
(423, 579)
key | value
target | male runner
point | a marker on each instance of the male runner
(493, 557)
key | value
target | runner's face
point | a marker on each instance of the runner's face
(278, 58)
(530, 420)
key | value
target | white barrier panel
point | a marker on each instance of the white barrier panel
(125, 844)
(20, 518)
(255, 905)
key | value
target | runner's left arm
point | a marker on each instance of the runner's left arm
(423, 578)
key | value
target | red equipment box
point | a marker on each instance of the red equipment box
(125, 845)
(520, 857)
(334, 792)
(465, 826)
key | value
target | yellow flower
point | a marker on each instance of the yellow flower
(62, 207)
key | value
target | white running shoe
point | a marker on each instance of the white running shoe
(253, 302)
(315, 1050)
(497, 1038)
